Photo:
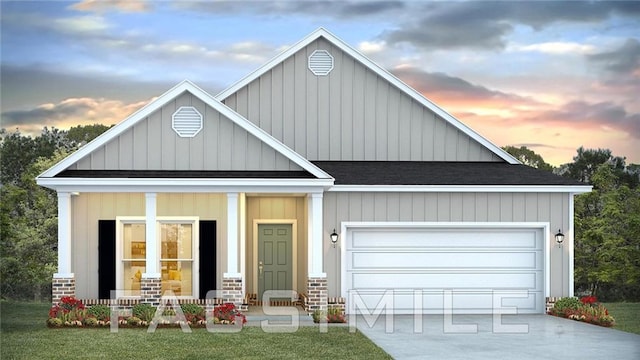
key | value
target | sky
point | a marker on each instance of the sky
(552, 76)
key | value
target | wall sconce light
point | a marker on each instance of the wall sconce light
(334, 237)
(559, 237)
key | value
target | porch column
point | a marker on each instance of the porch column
(151, 282)
(317, 279)
(315, 235)
(63, 283)
(232, 282)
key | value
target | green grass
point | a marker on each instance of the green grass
(25, 336)
(627, 316)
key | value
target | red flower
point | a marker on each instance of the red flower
(588, 300)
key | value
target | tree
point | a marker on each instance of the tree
(81, 135)
(607, 245)
(587, 161)
(528, 157)
(29, 233)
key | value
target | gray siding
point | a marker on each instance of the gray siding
(151, 144)
(351, 114)
(449, 207)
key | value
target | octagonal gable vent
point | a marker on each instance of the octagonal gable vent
(321, 62)
(186, 121)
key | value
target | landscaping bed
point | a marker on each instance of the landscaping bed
(586, 309)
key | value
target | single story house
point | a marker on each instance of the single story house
(322, 173)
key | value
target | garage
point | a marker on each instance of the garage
(470, 268)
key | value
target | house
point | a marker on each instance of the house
(241, 192)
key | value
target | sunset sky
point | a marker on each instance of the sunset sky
(552, 76)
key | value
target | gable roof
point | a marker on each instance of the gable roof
(185, 86)
(380, 71)
(444, 173)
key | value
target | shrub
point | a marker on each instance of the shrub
(91, 321)
(99, 312)
(566, 305)
(69, 310)
(134, 321)
(54, 322)
(193, 312)
(144, 312)
(335, 315)
(227, 314)
(319, 316)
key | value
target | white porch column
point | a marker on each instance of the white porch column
(315, 235)
(232, 236)
(64, 236)
(152, 237)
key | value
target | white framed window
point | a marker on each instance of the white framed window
(177, 258)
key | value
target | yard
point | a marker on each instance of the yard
(627, 316)
(25, 336)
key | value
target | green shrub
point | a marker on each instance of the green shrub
(134, 321)
(319, 316)
(566, 304)
(54, 322)
(144, 312)
(192, 309)
(91, 321)
(168, 312)
(335, 315)
(100, 312)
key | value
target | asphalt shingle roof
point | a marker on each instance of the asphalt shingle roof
(438, 173)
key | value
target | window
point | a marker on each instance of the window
(133, 256)
(176, 257)
(178, 266)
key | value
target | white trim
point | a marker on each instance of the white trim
(151, 234)
(232, 233)
(315, 249)
(577, 189)
(64, 233)
(294, 249)
(345, 226)
(120, 222)
(188, 185)
(63, 275)
(185, 86)
(572, 244)
(243, 239)
(321, 32)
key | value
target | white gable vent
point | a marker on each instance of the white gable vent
(186, 121)
(321, 62)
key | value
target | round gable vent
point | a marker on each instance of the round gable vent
(186, 121)
(321, 62)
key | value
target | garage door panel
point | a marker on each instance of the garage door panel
(462, 302)
(471, 262)
(445, 238)
(362, 260)
(458, 280)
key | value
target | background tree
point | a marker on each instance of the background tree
(528, 157)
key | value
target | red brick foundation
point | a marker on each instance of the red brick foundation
(316, 293)
(62, 287)
(150, 290)
(232, 292)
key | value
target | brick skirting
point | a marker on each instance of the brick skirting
(151, 291)
(316, 293)
(232, 292)
(550, 303)
(61, 287)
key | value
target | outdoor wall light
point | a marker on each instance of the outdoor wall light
(559, 237)
(334, 237)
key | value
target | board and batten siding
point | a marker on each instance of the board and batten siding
(448, 207)
(288, 208)
(152, 144)
(350, 114)
(88, 208)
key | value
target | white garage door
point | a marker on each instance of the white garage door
(468, 269)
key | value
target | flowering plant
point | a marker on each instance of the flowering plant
(587, 309)
(227, 314)
(69, 310)
(588, 300)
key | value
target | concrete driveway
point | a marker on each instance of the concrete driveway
(519, 337)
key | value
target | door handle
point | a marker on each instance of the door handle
(260, 268)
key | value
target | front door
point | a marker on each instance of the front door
(274, 257)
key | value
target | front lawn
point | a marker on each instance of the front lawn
(627, 316)
(25, 336)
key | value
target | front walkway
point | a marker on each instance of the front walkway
(545, 337)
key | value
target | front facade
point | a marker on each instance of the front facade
(240, 192)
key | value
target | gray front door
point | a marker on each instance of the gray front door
(274, 257)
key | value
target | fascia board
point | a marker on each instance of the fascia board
(463, 188)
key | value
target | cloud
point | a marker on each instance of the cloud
(485, 25)
(556, 48)
(338, 9)
(80, 24)
(69, 112)
(439, 86)
(101, 6)
(624, 60)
